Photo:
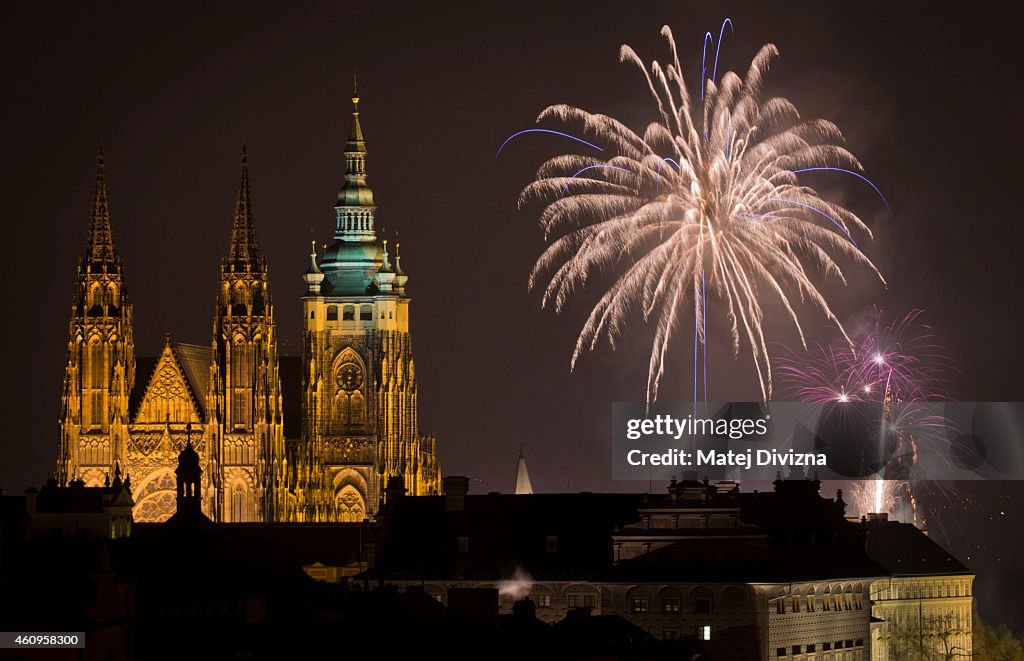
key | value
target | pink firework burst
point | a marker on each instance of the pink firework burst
(897, 363)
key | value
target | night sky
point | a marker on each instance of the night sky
(927, 98)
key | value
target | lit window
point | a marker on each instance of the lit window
(544, 601)
(640, 604)
(704, 632)
(671, 634)
(574, 600)
(670, 605)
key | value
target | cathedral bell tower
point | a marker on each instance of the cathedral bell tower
(359, 383)
(100, 368)
(247, 462)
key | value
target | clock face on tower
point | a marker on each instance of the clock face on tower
(350, 377)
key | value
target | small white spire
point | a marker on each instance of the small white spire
(523, 486)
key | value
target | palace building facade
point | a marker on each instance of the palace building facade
(280, 438)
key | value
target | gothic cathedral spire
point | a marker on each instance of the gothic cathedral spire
(244, 247)
(101, 237)
(245, 462)
(100, 369)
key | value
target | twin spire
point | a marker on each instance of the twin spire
(101, 237)
(354, 208)
(101, 250)
(244, 247)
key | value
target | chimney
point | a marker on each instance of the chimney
(480, 604)
(525, 608)
(30, 500)
(395, 489)
(455, 489)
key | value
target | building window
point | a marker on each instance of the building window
(543, 601)
(826, 647)
(238, 504)
(780, 651)
(348, 313)
(670, 634)
(702, 606)
(704, 632)
(332, 313)
(670, 605)
(582, 601)
(366, 313)
(312, 314)
(639, 604)
(780, 606)
(241, 375)
(811, 649)
(796, 649)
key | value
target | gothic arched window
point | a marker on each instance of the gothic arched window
(97, 382)
(350, 404)
(241, 384)
(349, 506)
(238, 493)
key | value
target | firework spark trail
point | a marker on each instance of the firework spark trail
(897, 363)
(732, 220)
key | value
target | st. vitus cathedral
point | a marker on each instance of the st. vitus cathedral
(280, 438)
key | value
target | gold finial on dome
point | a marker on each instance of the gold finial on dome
(355, 90)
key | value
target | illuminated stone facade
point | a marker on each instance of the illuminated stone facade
(924, 608)
(923, 617)
(358, 379)
(358, 403)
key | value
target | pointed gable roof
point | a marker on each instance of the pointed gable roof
(181, 372)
